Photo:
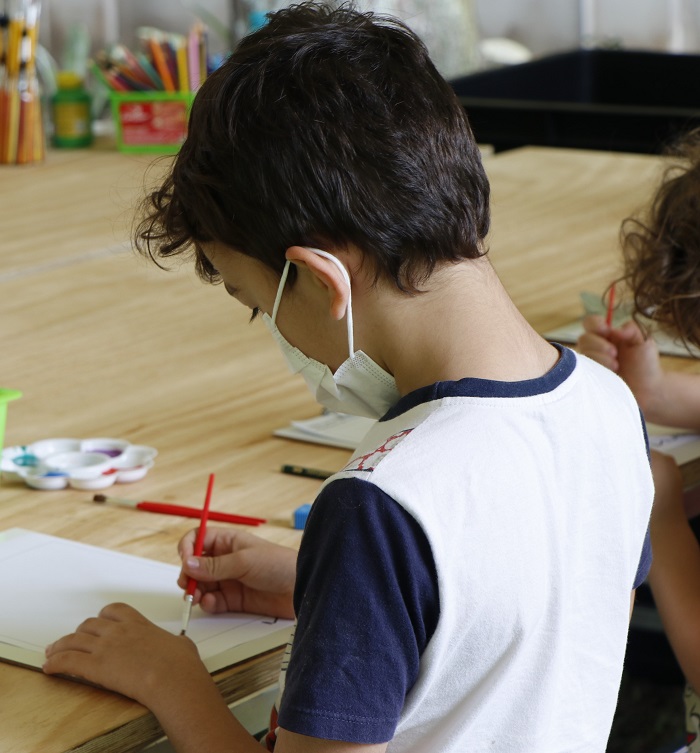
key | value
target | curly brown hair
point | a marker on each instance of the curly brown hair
(661, 248)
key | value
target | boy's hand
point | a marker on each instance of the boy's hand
(240, 573)
(626, 351)
(123, 651)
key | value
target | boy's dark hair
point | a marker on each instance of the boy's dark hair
(325, 127)
(662, 249)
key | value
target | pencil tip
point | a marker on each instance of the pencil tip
(99, 498)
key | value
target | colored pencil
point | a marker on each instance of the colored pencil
(611, 306)
(170, 62)
(193, 59)
(183, 79)
(161, 64)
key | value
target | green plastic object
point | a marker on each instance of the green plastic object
(151, 122)
(5, 397)
(71, 109)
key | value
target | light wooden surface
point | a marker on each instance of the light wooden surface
(556, 219)
(103, 344)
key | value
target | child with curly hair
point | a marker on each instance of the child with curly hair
(662, 271)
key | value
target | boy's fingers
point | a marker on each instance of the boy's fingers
(76, 642)
(208, 569)
(186, 545)
(219, 540)
(71, 663)
(214, 602)
(118, 612)
(90, 626)
(61, 663)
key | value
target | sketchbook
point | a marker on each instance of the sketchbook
(332, 429)
(53, 584)
(681, 444)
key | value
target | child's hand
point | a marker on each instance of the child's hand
(626, 351)
(618, 348)
(596, 344)
(240, 573)
(123, 651)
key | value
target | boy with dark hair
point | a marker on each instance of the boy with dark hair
(464, 583)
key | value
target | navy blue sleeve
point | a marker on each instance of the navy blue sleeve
(644, 562)
(645, 559)
(367, 604)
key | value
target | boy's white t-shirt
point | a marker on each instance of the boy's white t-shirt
(534, 500)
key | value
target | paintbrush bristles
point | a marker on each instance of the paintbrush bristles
(102, 498)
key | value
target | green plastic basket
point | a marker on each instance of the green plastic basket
(5, 397)
(150, 122)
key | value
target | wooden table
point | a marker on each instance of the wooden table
(103, 344)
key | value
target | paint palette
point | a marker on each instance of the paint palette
(94, 463)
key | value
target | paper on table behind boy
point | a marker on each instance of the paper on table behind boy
(55, 584)
(330, 429)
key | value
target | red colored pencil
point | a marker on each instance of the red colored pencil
(611, 306)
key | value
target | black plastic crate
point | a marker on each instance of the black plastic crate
(591, 99)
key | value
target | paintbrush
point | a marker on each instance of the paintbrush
(185, 512)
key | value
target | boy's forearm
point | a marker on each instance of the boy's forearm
(197, 719)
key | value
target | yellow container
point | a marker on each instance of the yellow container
(151, 122)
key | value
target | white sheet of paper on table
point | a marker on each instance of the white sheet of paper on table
(331, 429)
(52, 584)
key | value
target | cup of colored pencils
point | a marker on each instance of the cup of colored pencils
(21, 127)
(152, 88)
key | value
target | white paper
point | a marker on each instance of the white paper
(682, 444)
(51, 585)
(332, 429)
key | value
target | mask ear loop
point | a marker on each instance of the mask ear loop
(348, 310)
(280, 289)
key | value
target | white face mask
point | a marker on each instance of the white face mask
(359, 386)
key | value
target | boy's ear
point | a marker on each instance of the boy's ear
(326, 274)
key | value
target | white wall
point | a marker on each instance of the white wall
(542, 25)
(549, 25)
(172, 15)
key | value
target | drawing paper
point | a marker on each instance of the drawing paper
(52, 584)
(682, 444)
(331, 429)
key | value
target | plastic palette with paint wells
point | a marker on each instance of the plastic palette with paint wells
(79, 463)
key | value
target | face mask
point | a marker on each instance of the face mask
(359, 386)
